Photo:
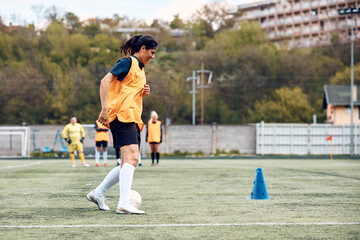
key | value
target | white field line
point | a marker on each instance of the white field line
(183, 225)
(19, 166)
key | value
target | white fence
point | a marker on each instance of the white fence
(305, 139)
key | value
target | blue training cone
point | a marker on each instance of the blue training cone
(259, 190)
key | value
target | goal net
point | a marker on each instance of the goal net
(14, 141)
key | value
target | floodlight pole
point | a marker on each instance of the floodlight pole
(193, 97)
(202, 93)
(351, 89)
(351, 11)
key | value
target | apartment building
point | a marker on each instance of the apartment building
(303, 23)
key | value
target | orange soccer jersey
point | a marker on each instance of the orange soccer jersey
(154, 132)
(125, 97)
(101, 133)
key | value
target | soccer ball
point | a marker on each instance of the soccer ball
(135, 199)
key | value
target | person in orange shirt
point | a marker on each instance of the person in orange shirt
(154, 137)
(121, 94)
(101, 140)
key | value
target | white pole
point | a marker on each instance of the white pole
(351, 89)
(193, 99)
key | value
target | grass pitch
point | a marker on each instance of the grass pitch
(184, 199)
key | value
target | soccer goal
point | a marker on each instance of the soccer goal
(14, 141)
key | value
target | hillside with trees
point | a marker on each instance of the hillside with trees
(47, 75)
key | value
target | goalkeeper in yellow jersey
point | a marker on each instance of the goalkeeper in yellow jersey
(74, 135)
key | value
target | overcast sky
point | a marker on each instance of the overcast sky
(20, 11)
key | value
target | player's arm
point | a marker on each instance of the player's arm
(161, 132)
(65, 134)
(104, 98)
(82, 131)
(146, 139)
(96, 127)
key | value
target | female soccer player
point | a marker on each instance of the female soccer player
(154, 137)
(101, 139)
(121, 94)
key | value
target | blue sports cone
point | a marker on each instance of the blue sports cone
(259, 190)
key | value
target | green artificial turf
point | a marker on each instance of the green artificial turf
(50, 196)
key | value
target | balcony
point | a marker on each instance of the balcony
(305, 5)
(297, 19)
(315, 29)
(297, 30)
(332, 13)
(297, 7)
(314, 4)
(271, 23)
(272, 11)
(306, 30)
(323, 2)
(271, 35)
(288, 21)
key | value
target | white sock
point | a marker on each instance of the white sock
(139, 158)
(97, 156)
(105, 156)
(110, 180)
(119, 160)
(125, 182)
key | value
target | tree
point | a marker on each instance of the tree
(37, 10)
(216, 16)
(344, 77)
(93, 28)
(285, 106)
(177, 22)
(53, 14)
(72, 22)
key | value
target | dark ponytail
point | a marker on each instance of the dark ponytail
(134, 44)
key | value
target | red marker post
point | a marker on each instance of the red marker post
(329, 138)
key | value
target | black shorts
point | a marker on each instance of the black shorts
(124, 133)
(101, 143)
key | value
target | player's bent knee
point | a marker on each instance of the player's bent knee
(133, 160)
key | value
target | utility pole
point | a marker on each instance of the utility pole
(193, 92)
(351, 11)
(202, 93)
(198, 83)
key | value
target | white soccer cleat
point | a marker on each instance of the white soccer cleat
(99, 201)
(85, 165)
(130, 209)
(73, 165)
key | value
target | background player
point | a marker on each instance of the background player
(101, 140)
(118, 156)
(154, 137)
(121, 93)
(74, 135)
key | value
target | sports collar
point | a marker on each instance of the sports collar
(141, 65)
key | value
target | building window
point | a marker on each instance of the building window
(322, 25)
(314, 12)
(347, 109)
(262, 19)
